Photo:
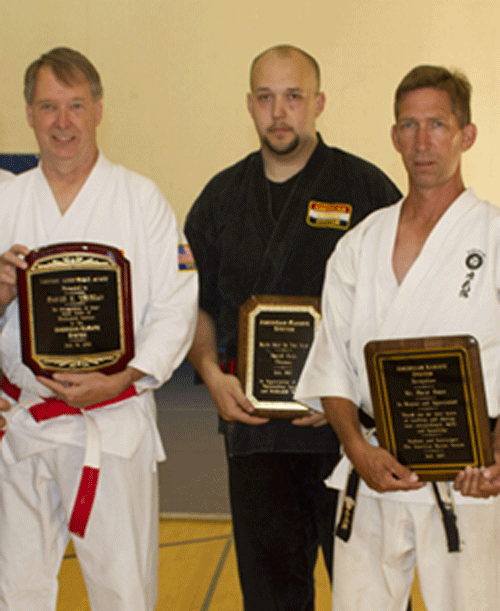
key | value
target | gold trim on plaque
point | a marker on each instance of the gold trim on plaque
(434, 405)
(283, 379)
(74, 261)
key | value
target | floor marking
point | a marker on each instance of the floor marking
(216, 577)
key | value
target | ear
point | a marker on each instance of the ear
(98, 109)
(320, 103)
(469, 135)
(395, 139)
(29, 114)
(250, 103)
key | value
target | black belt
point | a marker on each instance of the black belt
(344, 526)
(445, 506)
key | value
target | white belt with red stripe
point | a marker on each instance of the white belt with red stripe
(52, 408)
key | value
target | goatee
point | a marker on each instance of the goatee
(284, 151)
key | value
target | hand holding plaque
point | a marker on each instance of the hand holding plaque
(275, 334)
(75, 308)
(429, 403)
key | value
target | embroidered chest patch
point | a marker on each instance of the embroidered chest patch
(330, 216)
(473, 261)
(186, 259)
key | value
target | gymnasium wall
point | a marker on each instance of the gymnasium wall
(175, 74)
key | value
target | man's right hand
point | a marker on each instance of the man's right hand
(375, 465)
(9, 261)
(381, 471)
(230, 400)
(224, 388)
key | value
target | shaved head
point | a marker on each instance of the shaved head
(282, 52)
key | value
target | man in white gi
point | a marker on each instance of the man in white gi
(76, 195)
(428, 265)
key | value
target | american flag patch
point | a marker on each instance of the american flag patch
(332, 216)
(185, 257)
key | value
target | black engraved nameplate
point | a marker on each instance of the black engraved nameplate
(429, 403)
(75, 308)
(275, 334)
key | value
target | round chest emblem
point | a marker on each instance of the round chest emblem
(474, 261)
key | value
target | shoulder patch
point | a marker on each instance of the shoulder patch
(185, 258)
(330, 216)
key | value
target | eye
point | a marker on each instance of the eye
(264, 97)
(406, 124)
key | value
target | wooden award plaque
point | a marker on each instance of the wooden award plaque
(274, 336)
(75, 309)
(429, 403)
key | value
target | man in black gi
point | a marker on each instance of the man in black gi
(255, 229)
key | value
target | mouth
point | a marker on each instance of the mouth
(423, 164)
(279, 130)
(62, 139)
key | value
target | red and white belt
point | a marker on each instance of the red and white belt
(52, 408)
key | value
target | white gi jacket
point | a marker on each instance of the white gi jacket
(5, 175)
(452, 288)
(121, 209)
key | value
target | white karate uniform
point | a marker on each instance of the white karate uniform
(5, 175)
(40, 462)
(452, 288)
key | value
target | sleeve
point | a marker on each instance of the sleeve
(168, 322)
(379, 187)
(328, 371)
(201, 228)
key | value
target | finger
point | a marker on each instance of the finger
(487, 489)
(457, 484)
(245, 405)
(491, 473)
(315, 419)
(14, 256)
(403, 475)
(249, 419)
(468, 484)
(489, 483)
(4, 405)
(68, 379)
(57, 387)
(234, 414)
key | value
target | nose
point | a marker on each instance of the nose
(62, 118)
(422, 138)
(278, 108)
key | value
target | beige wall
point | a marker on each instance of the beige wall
(175, 75)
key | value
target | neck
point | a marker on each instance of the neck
(430, 204)
(280, 168)
(65, 179)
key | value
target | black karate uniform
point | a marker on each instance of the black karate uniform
(281, 509)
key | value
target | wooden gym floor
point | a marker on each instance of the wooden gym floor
(197, 572)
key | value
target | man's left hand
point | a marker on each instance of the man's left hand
(479, 483)
(483, 482)
(80, 390)
(4, 407)
(312, 419)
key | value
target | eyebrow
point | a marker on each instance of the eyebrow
(288, 89)
(45, 100)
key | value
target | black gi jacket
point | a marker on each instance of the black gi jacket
(241, 250)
